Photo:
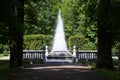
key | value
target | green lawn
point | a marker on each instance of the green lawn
(4, 70)
(109, 74)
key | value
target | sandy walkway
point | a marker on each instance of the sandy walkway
(56, 72)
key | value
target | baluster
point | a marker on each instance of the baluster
(34, 55)
(27, 54)
(92, 55)
(82, 55)
(40, 55)
(23, 55)
(79, 55)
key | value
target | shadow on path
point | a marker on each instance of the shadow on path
(56, 72)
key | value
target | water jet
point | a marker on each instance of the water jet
(59, 48)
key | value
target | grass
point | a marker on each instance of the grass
(4, 70)
(90, 63)
(109, 74)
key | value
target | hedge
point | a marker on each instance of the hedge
(39, 41)
(4, 49)
(81, 42)
(31, 42)
(36, 42)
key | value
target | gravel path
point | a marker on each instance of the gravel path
(56, 72)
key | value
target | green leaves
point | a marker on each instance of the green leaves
(115, 19)
(36, 42)
(40, 16)
(81, 42)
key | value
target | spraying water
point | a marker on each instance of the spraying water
(59, 43)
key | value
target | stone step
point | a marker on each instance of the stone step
(60, 60)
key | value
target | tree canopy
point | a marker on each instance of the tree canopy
(95, 20)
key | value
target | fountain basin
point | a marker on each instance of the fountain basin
(60, 54)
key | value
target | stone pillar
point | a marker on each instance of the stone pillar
(46, 51)
(74, 51)
(75, 54)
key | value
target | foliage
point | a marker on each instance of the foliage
(1, 55)
(75, 19)
(40, 16)
(4, 18)
(115, 16)
(81, 19)
(4, 48)
(81, 42)
(3, 33)
(36, 42)
(31, 42)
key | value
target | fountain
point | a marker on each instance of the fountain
(59, 48)
(59, 43)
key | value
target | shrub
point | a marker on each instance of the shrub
(31, 42)
(5, 52)
(81, 42)
(4, 49)
(1, 48)
(36, 42)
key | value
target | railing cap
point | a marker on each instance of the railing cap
(32, 50)
(87, 50)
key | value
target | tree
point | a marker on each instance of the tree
(40, 16)
(3, 21)
(16, 33)
(116, 27)
(80, 19)
(104, 35)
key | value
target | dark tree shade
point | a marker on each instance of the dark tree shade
(16, 34)
(4, 18)
(104, 35)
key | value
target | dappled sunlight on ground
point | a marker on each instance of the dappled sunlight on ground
(55, 72)
(59, 67)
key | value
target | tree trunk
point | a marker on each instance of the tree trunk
(13, 38)
(104, 35)
(20, 17)
(16, 35)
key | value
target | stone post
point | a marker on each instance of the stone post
(46, 51)
(74, 51)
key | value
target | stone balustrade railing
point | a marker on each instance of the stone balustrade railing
(33, 54)
(78, 54)
(40, 54)
(86, 54)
